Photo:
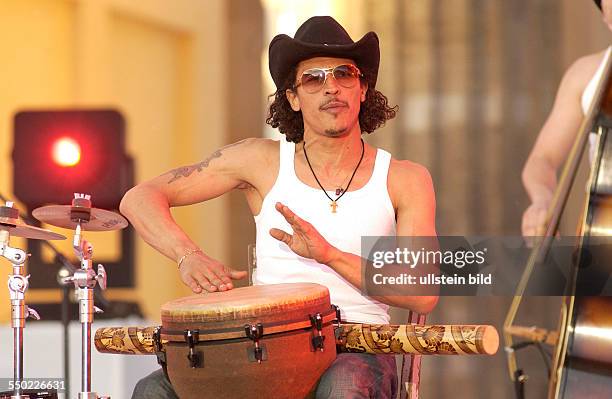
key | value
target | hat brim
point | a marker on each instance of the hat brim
(286, 52)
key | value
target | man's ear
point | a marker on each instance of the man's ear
(364, 90)
(293, 99)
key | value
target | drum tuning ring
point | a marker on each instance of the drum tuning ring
(192, 337)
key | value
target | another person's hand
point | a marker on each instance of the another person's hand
(534, 219)
(200, 272)
(305, 241)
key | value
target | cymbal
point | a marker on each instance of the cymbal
(99, 219)
(17, 228)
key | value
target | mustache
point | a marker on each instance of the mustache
(332, 100)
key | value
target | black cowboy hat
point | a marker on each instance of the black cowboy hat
(323, 37)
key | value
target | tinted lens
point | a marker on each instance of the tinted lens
(346, 75)
(312, 80)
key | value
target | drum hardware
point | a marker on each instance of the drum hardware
(17, 282)
(80, 216)
(338, 314)
(157, 347)
(192, 337)
(318, 337)
(254, 333)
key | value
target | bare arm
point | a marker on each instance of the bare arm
(554, 142)
(148, 205)
(416, 207)
(415, 217)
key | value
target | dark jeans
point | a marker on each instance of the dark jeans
(351, 375)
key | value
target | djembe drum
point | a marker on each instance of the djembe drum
(260, 342)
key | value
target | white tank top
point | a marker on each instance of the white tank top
(587, 98)
(367, 211)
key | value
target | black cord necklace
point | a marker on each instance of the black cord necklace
(339, 192)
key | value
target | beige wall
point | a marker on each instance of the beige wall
(162, 64)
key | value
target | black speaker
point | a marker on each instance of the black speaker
(58, 153)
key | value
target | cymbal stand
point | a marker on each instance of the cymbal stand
(17, 285)
(85, 280)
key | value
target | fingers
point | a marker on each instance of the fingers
(534, 221)
(203, 273)
(280, 235)
(215, 281)
(204, 282)
(534, 224)
(528, 229)
(237, 275)
(193, 284)
(294, 220)
(221, 278)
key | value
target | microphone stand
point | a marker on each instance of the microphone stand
(65, 271)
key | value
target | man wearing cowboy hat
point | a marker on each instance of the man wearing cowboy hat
(313, 196)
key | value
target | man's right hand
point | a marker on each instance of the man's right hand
(200, 272)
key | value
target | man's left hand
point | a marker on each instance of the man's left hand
(305, 241)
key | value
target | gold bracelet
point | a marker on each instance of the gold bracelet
(190, 252)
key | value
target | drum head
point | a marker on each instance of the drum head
(272, 305)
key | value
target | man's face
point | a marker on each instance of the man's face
(333, 109)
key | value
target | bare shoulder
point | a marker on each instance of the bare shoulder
(412, 194)
(251, 151)
(260, 143)
(582, 70)
(253, 146)
(250, 156)
(404, 171)
(409, 179)
(262, 152)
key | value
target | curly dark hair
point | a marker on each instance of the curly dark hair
(373, 113)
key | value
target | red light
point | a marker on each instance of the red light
(66, 152)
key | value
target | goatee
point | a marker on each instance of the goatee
(334, 132)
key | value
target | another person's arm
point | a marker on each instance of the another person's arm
(554, 143)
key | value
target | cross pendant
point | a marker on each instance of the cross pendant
(333, 206)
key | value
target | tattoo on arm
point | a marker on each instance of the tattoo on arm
(186, 171)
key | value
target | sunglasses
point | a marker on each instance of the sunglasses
(312, 80)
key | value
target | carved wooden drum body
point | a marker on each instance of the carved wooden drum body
(272, 341)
